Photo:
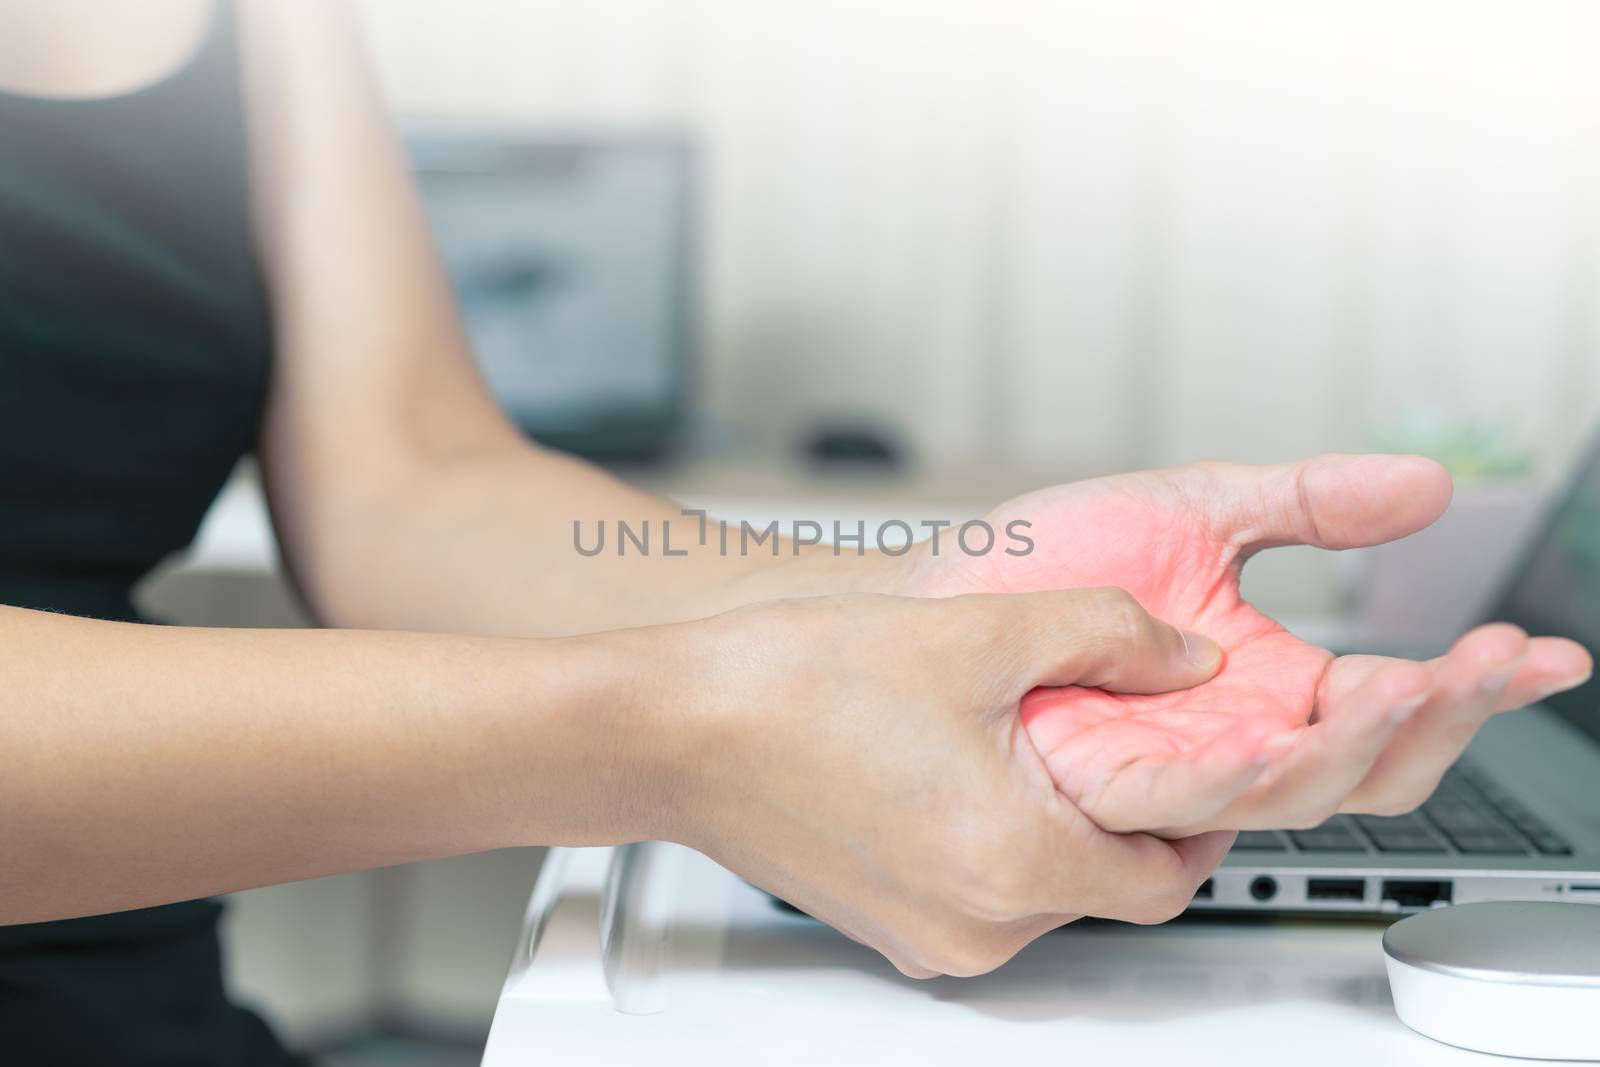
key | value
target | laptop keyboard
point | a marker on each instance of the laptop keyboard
(1468, 815)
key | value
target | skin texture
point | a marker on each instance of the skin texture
(1315, 734)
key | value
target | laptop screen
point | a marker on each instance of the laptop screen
(1557, 589)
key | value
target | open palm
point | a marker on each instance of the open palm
(1284, 734)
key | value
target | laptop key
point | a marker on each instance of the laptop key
(1527, 822)
(1461, 817)
(1533, 829)
(1327, 839)
(1550, 844)
(1485, 842)
(1402, 840)
(1260, 841)
(1545, 840)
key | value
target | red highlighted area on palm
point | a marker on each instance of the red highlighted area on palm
(1284, 734)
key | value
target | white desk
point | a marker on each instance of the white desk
(655, 955)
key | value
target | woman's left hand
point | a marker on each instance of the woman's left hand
(1348, 734)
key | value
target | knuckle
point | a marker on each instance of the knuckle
(1120, 617)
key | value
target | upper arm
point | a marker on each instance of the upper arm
(372, 370)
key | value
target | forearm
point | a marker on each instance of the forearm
(401, 495)
(519, 540)
(150, 764)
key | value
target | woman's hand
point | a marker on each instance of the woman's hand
(1356, 733)
(862, 757)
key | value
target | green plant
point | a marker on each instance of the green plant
(1472, 449)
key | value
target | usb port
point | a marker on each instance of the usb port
(1336, 889)
(1206, 891)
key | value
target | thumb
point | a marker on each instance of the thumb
(1104, 639)
(1331, 501)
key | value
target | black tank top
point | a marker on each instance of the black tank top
(134, 354)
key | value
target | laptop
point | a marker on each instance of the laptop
(1517, 818)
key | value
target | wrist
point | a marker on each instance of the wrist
(640, 714)
(567, 742)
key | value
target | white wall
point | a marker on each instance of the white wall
(1109, 234)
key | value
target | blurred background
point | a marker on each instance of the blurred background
(913, 256)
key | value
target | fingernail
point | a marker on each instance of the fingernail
(1200, 650)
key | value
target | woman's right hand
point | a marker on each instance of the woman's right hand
(862, 757)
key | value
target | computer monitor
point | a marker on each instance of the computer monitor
(1556, 589)
(571, 258)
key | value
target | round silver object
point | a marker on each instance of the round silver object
(1520, 942)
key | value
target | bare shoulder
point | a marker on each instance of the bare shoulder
(95, 48)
